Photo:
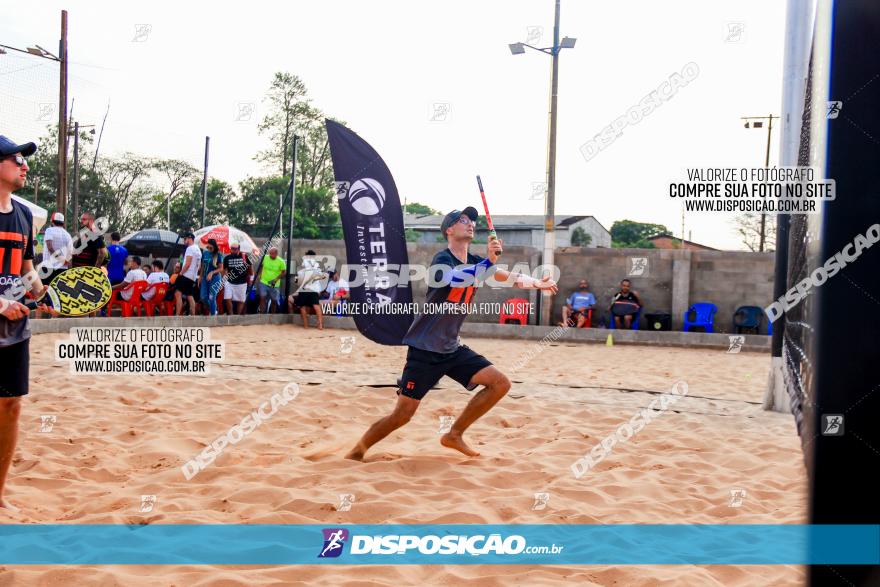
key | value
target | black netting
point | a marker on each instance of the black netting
(798, 331)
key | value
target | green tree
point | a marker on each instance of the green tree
(186, 208)
(631, 234)
(314, 165)
(319, 206)
(420, 209)
(123, 192)
(257, 207)
(287, 105)
(315, 213)
(179, 177)
(580, 238)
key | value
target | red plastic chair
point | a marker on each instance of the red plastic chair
(132, 304)
(514, 310)
(588, 319)
(155, 305)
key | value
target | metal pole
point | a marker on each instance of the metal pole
(205, 181)
(61, 177)
(290, 219)
(798, 38)
(766, 166)
(76, 169)
(549, 200)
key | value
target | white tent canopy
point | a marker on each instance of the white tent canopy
(40, 214)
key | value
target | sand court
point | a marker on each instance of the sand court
(116, 439)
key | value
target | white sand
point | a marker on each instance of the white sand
(117, 438)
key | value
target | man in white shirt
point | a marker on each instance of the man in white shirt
(157, 275)
(57, 247)
(185, 284)
(135, 273)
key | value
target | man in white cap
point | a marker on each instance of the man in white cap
(57, 247)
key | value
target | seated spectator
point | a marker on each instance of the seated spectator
(157, 275)
(574, 312)
(175, 272)
(336, 291)
(624, 305)
(135, 273)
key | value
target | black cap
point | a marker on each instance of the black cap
(453, 217)
(9, 147)
(187, 235)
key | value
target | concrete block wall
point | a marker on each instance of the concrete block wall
(730, 279)
(672, 281)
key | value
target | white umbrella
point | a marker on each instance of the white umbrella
(225, 234)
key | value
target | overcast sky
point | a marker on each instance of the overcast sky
(175, 72)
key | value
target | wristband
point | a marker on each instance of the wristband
(526, 282)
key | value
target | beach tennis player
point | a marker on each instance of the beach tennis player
(16, 260)
(435, 349)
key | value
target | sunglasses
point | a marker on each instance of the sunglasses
(465, 220)
(19, 160)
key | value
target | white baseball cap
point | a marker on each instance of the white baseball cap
(57, 217)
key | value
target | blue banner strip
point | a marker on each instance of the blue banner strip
(624, 544)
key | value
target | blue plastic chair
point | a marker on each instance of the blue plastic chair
(635, 323)
(748, 318)
(704, 315)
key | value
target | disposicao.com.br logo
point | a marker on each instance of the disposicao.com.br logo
(334, 540)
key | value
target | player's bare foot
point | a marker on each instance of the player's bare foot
(356, 454)
(454, 440)
(8, 506)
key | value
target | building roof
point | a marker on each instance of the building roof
(686, 242)
(501, 221)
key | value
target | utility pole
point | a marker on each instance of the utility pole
(550, 195)
(204, 182)
(75, 191)
(757, 122)
(61, 194)
(550, 200)
(76, 169)
(291, 204)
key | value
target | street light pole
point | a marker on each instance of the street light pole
(61, 194)
(550, 194)
(205, 180)
(762, 239)
(550, 199)
(37, 51)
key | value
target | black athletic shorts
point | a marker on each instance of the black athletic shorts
(424, 369)
(186, 286)
(306, 299)
(14, 364)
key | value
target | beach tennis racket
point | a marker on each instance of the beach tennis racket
(624, 308)
(76, 292)
(492, 235)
